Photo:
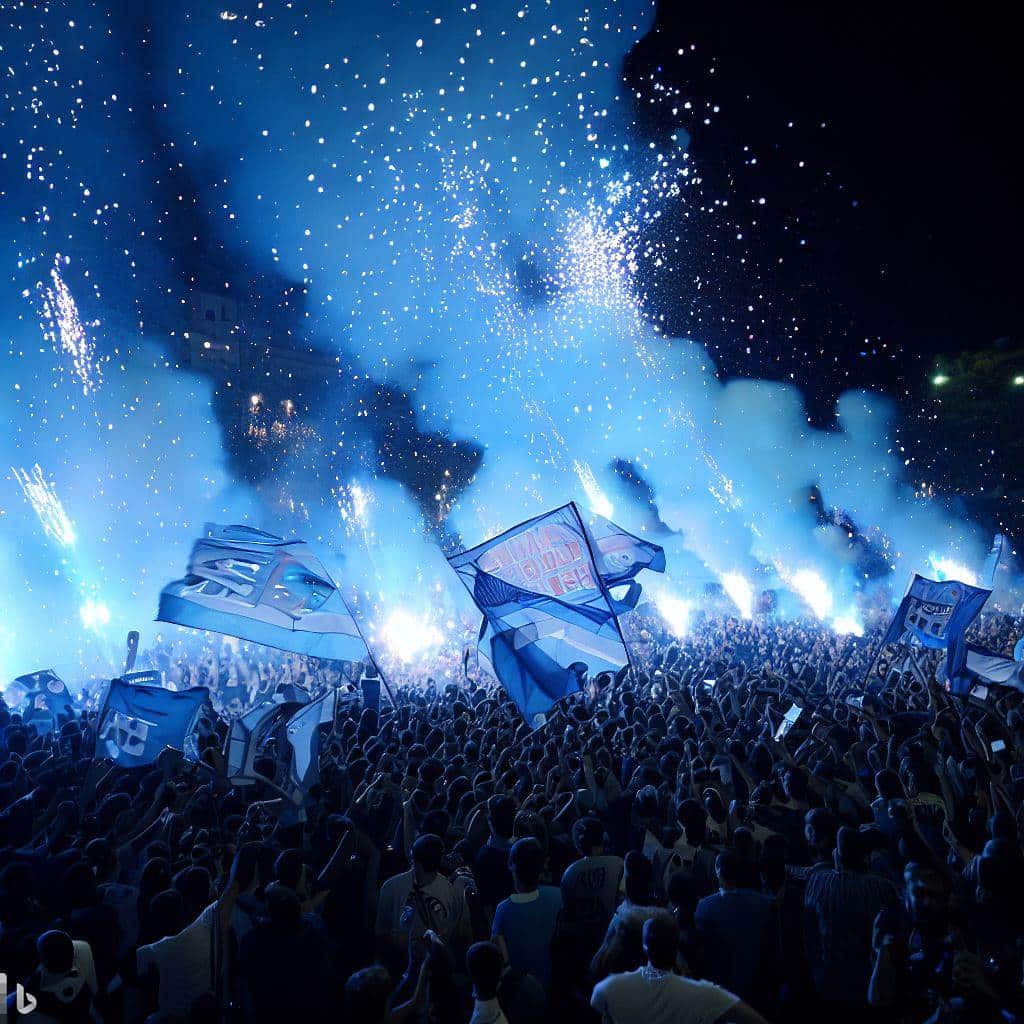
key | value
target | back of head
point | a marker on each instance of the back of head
(485, 965)
(661, 941)
(427, 853)
(728, 869)
(283, 908)
(588, 835)
(849, 848)
(56, 952)
(526, 861)
(366, 995)
(501, 814)
(288, 868)
(194, 885)
(638, 874)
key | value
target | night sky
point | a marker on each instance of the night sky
(908, 200)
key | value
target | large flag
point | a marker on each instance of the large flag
(935, 614)
(995, 554)
(979, 665)
(543, 588)
(303, 731)
(248, 732)
(137, 722)
(253, 585)
(42, 697)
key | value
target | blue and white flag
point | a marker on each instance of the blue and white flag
(549, 619)
(42, 698)
(258, 587)
(303, 732)
(247, 734)
(620, 557)
(979, 665)
(995, 555)
(935, 614)
(137, 722)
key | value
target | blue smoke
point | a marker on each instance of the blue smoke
(460, 194)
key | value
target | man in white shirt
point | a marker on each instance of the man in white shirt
(419, 900)
(485, 965)
(655, 994)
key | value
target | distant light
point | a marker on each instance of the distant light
(254, 400)
(94, 615)
(406, 635)
(939, 379)
(1018, 380)
(675, 611)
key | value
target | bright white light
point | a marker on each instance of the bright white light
(848, 624)
(596, 498)
(740, 592)
(946, 568)
(95, 615)
(675, 611)
(814, 590)
(939, 379)
(406, 634)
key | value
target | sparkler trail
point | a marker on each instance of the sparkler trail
(41, 494)
(63, 328)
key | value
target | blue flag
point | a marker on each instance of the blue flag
(253, 585)
(138, 722)
(979, 665)
(43, 699)
(549, 618)
(935, 614)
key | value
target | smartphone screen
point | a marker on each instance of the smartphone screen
(998, 746)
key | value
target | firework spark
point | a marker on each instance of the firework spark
(42, 496)
(63, 328)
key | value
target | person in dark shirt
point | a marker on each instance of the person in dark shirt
(490, 866)
(285, 965)
(738, 929)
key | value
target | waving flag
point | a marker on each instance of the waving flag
(549, 619)
(253, 585)
(303, 732)
(978, 664)
(620, 557)
(249, 730)
(43, 697)
(934, 614)
(137, 722)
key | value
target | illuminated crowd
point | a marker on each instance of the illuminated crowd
(735, 829)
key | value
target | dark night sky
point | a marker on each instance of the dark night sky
(918, 110)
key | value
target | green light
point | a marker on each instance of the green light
(939, 379)
(1018, 380)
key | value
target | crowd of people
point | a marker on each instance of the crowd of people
(735, 829)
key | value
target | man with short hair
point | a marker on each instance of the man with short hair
(485, 966)
(524, 924)
(739, 933)
(590, 885)
(655, 994)
(490, 866)
(418, 900)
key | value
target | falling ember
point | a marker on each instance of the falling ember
(63, 328)
(42, 496)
